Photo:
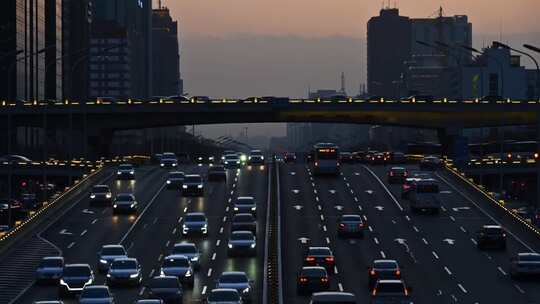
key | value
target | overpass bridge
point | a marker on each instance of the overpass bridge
(96, 121)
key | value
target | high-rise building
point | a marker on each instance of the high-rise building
(22, 28)
(77, 19)
(165, 53)
(135, 16)
(54, 45)
(388, 47)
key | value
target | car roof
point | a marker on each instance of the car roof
(390, 282)
(77, 265)
(237, 232)
(176, 257)
(96, 287)
(54, 258)
(492, 227)
(318, 248)
(233, 273)
(126, 259)
(112, 246)
(397, 168)
(193, 175)
(195, 213)
(245, 197)
(331, 295)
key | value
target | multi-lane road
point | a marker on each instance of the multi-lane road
(150, 236)
(437, 253)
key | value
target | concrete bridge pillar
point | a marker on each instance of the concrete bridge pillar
(99, 143)
(453, 144)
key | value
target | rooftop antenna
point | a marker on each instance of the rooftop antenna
(342, 83)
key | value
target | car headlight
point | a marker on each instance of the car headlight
(161, 273)
(188, 273)
(131, 172)
(226, 162)
(168, 182)
(108, 195)
(92, 196)
(162, 164)
(63, 283)
(174, 164)
(115, 206)
(253, 208)
(205, 226)
(132, 205)
(262, 157)
(249, 158)
(230, 246)
(103, 261)
(195, 259)
(246, 290)
(199, 186)
(108, 275)
(235, 208)
(119, 173)
(252, 245)
(184, 186)
(243, 158)
(134, 275)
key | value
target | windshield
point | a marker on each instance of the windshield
(176, 175)
(176, 262)
(245, 201)
(193, 179)
(233, 278)
(51, 263)
(125, 167)
(95, 293)
(243, 236)
(113, 251)
(100, 189)
(319, 251)
(124, 264)
(124, 197)
(195, 218)
(224, 296)
(76, 271)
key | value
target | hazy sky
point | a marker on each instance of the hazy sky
(239, 48)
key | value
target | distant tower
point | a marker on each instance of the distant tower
(342, 90)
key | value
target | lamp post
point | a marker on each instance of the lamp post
(534, 49)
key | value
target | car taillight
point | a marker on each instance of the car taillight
(405, 173)
(361, 225)
(374, 292)
(398, 273)
(310, 259)
(391, 173)
(406, 292)
(372, 272)
(406, 187)
(303, 280)
(329, 259)
(324, 280)
(342, 226)
(316, 164)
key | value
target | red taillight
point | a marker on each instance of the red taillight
(374, 292)
(329, 259)
(405, 173)
(310, 259)
(302, 280)
(406, 187)
(324, 280)
(372, 272)
(361, 225)
(398, 273)
(406, 292)
(391, 173)
(342, 226)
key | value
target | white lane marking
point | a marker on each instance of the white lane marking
(179, 220)
(324, 228)
(160, 258)
(340, 286)
(416, 229)
(327, 240)
(462, 229)
(94, 221)
(232, 192)
(168, 243)
(365, 217)
(359, 207)
(221, 230)
(376, 240)
(234, 185)
(370, 229)
(447, 270)
(174, 231)
(155, 221)
(322, 217)
(356, 199)
(227, 209)
(141, 215)
(443, 209)
(474, 241)
(407, 218)
(71, 245)
(383, 255)
(485, 213)
(335, 270)
(319, 207)
(317, 198)
(315, 191)
(104, 210)
(213, 256)
(348, 185)
(185, 209)
(452, 218)
(224, 218)
(84, 232)
(435, 255)
(230, 199)
(203, 292)
(425, 241)
(501, 270)
(519, 288)
(384, 187)
(141, 292)
(209, 272)
(152, 273)
(218, 242)
(462, 288)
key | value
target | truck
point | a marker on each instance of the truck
(425, 197)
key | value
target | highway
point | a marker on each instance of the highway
(438, 254)
(150, 236)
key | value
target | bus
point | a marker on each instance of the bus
(325, 159)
